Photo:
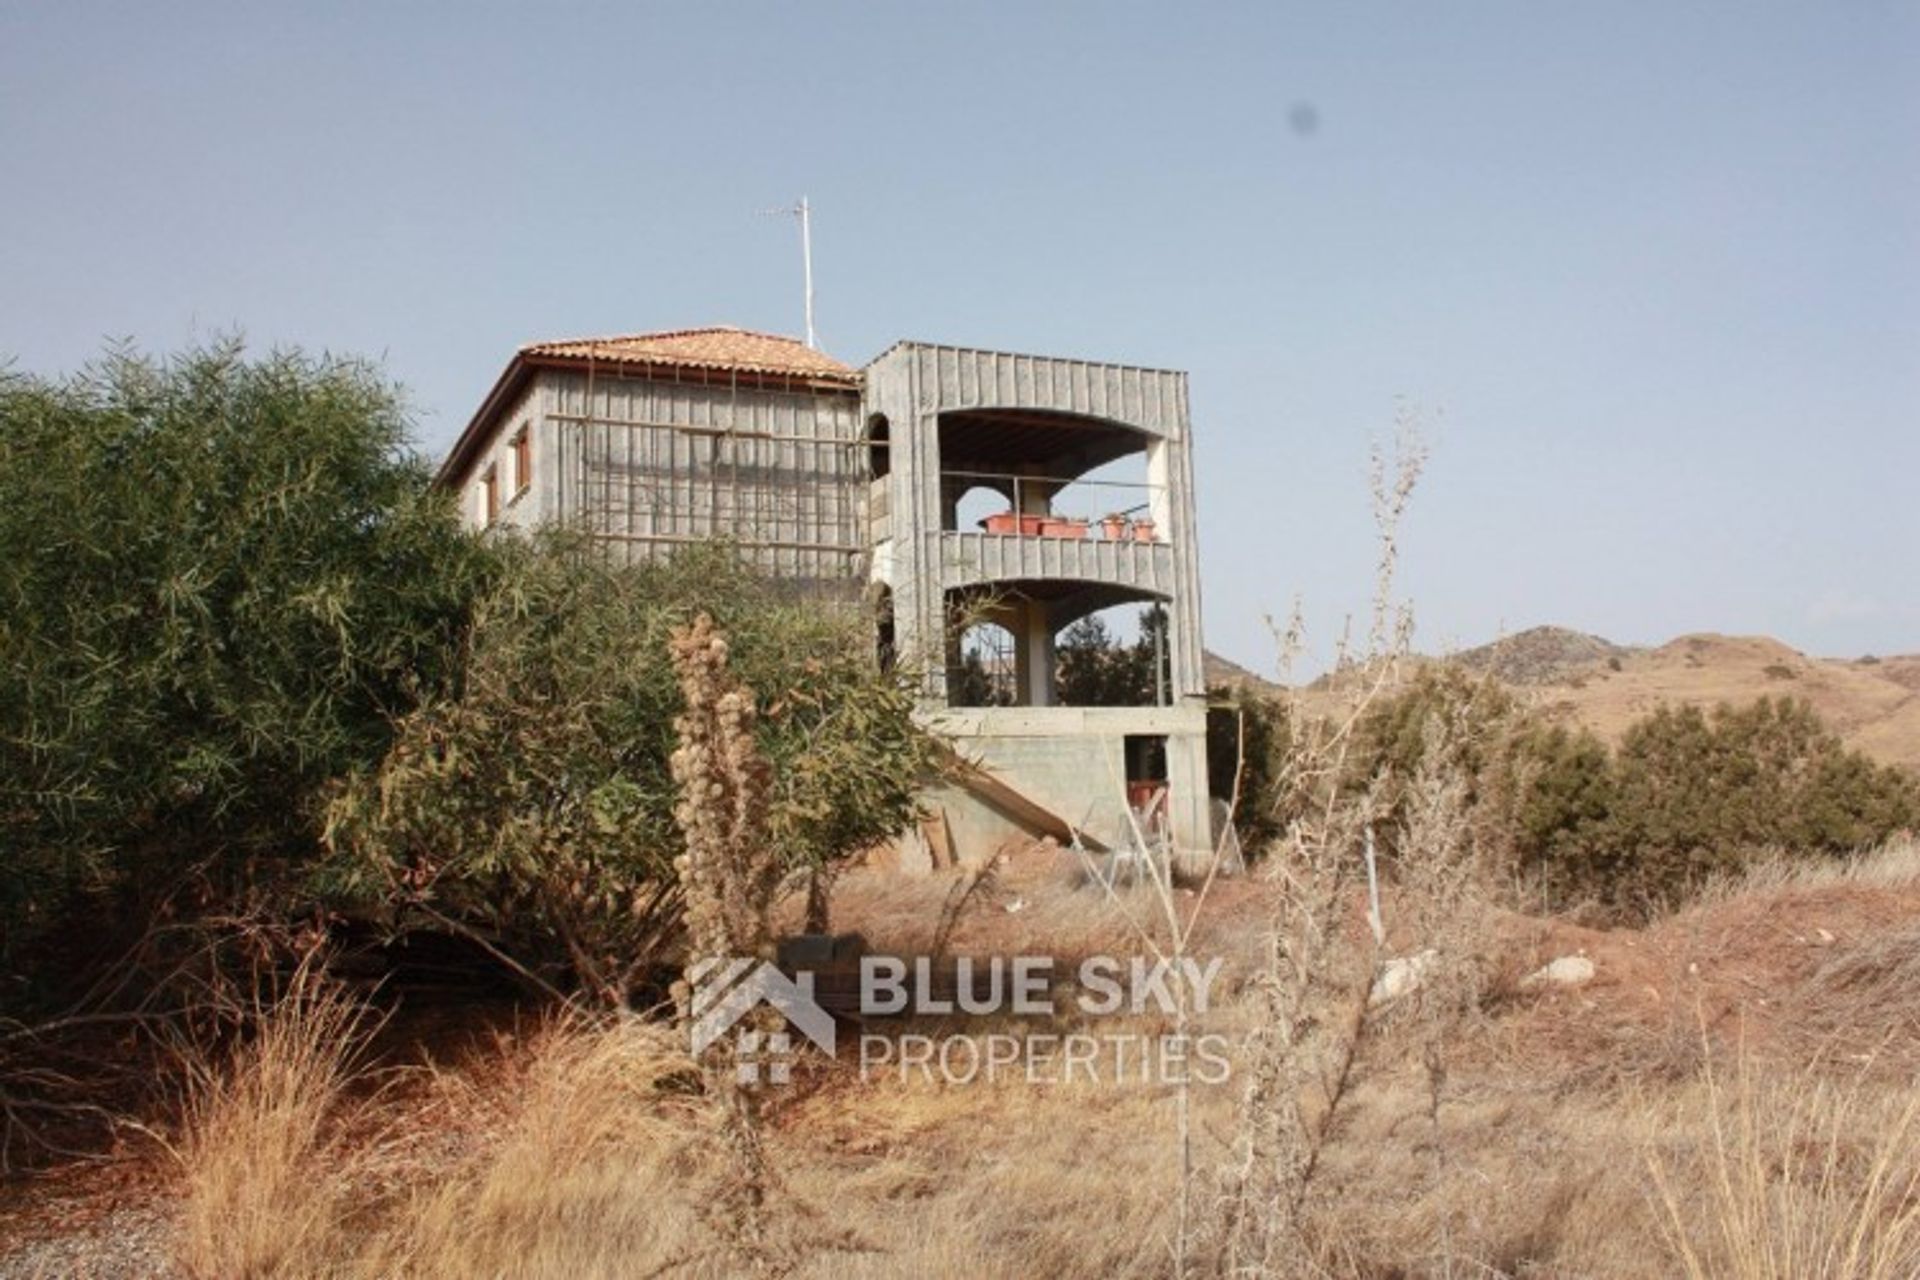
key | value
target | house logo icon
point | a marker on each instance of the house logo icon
(725, 991)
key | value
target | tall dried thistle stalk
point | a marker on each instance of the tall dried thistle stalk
(1300, 1062)
(729, 873)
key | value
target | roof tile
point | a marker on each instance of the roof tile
(717, 347)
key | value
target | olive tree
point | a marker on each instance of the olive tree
(532, 809)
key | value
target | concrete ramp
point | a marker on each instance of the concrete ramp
(1015, 806)
(972, 812)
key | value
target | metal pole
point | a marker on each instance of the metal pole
(806, 255)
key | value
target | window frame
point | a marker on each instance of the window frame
(521, 443)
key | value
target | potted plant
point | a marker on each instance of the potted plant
(1001, 522)
(1143, 529)
(1113, 526)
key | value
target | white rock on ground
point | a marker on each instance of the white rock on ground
(1567, 971)
(1399, 976)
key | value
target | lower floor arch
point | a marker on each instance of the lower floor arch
(1054, 643)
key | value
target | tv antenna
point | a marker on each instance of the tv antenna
(804, 212)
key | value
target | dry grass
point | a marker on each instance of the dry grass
(264, 1186)
(594, 1167)
(586, 1149)
(598, 1169)
(1895, 864)
(1800, 1176)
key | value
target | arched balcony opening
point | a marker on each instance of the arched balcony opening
(982, 668)
(1059, 475)
(1117, 656)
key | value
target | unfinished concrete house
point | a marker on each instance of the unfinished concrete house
(957, 492)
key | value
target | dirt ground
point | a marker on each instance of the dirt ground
(1796, 968)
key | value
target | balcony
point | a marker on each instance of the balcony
(967, 559)
(1035, 527)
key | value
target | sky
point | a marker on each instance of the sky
(1648, 274)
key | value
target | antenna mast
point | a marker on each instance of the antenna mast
(804, 212)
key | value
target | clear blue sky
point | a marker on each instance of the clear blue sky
(1658, 264)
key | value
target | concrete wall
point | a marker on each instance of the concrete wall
(518, 509)
(913, 384)
(1070, 760)
(654, 463)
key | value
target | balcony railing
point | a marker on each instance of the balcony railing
(1045, 507)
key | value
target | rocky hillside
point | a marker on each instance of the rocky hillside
(1543, 655)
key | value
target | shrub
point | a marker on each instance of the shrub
(1566, 794)
(218, 578)
(1696, 793)
(1685, 797)
(1249, 732)
(535, 806)
(1448, 721)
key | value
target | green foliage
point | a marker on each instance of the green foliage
(218, 576)
(1093, 669)
(1695, 793)
(537, 803)
(1446, 719)
(1686, 795)
(1249, 732)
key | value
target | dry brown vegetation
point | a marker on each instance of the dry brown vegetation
(1872, 703)
(1727, 1091)
(1678, 1115)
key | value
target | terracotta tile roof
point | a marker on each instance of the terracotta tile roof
(718, 347)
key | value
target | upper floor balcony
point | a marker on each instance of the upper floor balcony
(1002, 525)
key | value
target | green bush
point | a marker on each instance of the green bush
(219, 576)
(1249, 732)
(1686, 795)
(534, 807)
(1447, 719)
(1695, 793)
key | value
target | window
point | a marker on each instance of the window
(490, 496)
(522, 460)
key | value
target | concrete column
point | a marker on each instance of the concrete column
(1189, 804)
(1035, 497)
(1033, 652)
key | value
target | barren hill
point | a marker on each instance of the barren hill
(1872, 703)
(1219, 671)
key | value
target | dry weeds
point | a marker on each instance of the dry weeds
(598, 1161)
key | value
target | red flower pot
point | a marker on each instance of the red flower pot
(1001, 522)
